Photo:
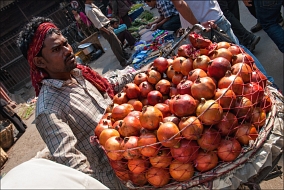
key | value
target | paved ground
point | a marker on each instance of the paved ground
(30, 142)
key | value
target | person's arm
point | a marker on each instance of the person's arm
(185, 11)
(94, 19)
(161, 22)
(61, 141)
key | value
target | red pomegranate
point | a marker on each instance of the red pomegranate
(186, 66)
(145, 87)
(191, 128)
(138, 179)
(218, 67)
(170, 72)
(161, 64)
(209, 112)
(210, 139)
(129, 145)
(183, 105)
(138, 165)
(223, 45)
(203, 88)
(234, 49)
(243, 70)
(154, 97)
(163, 86)
(222, 52)
(243, 58)
(186, 151)
(206, 160)
(229, 149)
(258, 117)
(181, 171)
(245, 133)
(265, 103)
(106, 134)
(171, 118)
(253, 92)
(148, 143)
(100, 127)
(137, 105)
(158, 177)
(177, 63)
(168, 134)
(150, 117)
(164, 108)
(130, 127)
(141, 77)
(198, 41)
(195, 73)
(120, 98)
(132, 91)
(154, 76)
(121, 111)
(201, 62)
(243, 108)
(226, 98)
(162, 160)
(112, 147)
(234, 82)
(184, 87)
(177, 78)
(228, 124)
(259, 78)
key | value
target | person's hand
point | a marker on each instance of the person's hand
(248, 3)
(148, 26)
(209, 24)
(154, 27)
(105, 30)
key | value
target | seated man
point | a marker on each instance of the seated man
(169, 16)
(122, 34)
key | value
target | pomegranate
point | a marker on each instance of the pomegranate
(186, 151)
(154, 97)
(184, 87)
(177, 63)
(121, 111)
(223, 45)
(168, 134)
(158, 177)
(119, 165)
(183, 105)
(123, 175)
(206, 160)
(226, 98)
(209, 112)
(161, 64)
(218, 67)
(173, 91)
(177, 78)
(139, 78)
(170, 61)
(245, 133)
(253, 92)
(120, 98)
(171, 118)
(222, 52)
(138, 165)
(163, 86)
(138, 179)
(100, 127)
(112, 147)
(195, 73)
(162, 160)
(145, 87)
(130, 127)
(154, 76)
(259, 78)
(185, 50)
(170, 72)
(203, 88)
(201, 62)
(243, 58)
(148, 143)
(181, 171)
(265, 103)
(150, 117)
(137, 105)
(106, 134)
(186, 66)
(243, 70)
(229, 149)
(234, 82)
(243, 108)
(191, 128)
(210, 139)
(129, 145)
(164, 108)
(135, 113)
(258, 117)
(228, 124)
(132, 91)
(198, 41)
(234, 49)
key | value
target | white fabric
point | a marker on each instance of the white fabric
(203, 11)
(46, 174)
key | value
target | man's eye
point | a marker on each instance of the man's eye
(56, 49)
(65, 43)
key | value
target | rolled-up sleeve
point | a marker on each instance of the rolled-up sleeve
(61, 142)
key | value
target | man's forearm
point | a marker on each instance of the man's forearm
(185, 11)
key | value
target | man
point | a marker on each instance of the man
(231, 11)
(101, 22)
(72, 98)
(268, 14)
(120, 9)
(169, 16)
(205, 12)
(122, 35)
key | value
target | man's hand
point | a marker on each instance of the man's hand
(248, 3)
(209, 24)
(154, 27)
(105, 30)
(148, 26)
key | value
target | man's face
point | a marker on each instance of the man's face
(57, 58)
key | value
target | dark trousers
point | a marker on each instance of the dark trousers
(126, 35)
(115, 44)
(126, 20)
(230, 9)
(171, 25)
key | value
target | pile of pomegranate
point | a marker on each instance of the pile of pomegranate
(185, 115)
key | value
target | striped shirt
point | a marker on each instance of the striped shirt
(166, 8)
(67, 113)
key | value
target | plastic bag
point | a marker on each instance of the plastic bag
(217, 35)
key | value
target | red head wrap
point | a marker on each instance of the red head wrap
(37, 74)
